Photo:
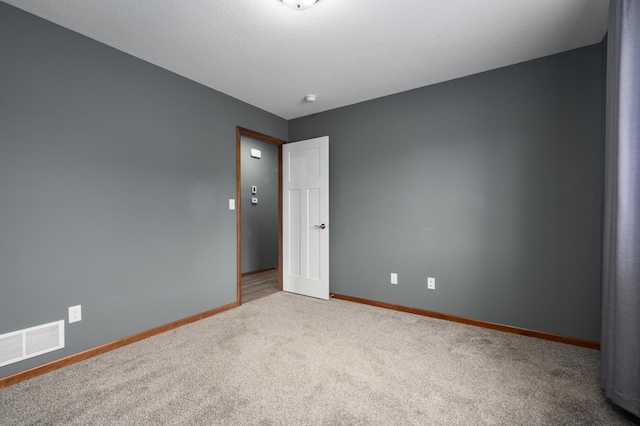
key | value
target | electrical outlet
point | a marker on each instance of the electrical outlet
(394, 278)
(431, 283)
(75, 313)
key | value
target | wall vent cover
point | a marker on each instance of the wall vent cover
(30, 342)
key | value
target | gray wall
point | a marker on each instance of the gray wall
(260, 221)
(491, 183)
(115, 177)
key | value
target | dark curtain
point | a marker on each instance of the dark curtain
(620, 341)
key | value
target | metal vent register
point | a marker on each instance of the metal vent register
(30, 342)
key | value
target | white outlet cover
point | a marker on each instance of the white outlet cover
(394, 278)
(75, 313)
(431, 283)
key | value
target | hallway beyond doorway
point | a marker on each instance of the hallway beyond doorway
(256, 285)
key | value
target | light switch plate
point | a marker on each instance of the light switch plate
(232, 204)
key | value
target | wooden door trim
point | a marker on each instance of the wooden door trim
(241, 131)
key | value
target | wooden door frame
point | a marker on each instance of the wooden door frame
(241, 131)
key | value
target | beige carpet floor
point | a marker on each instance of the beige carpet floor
(292, 360)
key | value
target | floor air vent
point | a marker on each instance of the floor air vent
(30, 342)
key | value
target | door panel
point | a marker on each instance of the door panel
(295, 235)
(314, 243)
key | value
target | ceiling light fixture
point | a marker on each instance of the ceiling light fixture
(310, 98)
(299, 4)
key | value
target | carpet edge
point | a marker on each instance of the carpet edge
(90, 353)
(575, 341)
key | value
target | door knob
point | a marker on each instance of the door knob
(323, 226)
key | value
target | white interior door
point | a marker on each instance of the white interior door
(305, 217)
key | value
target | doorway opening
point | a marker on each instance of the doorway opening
(258, 214)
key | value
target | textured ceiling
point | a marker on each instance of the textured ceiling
(344, 51)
